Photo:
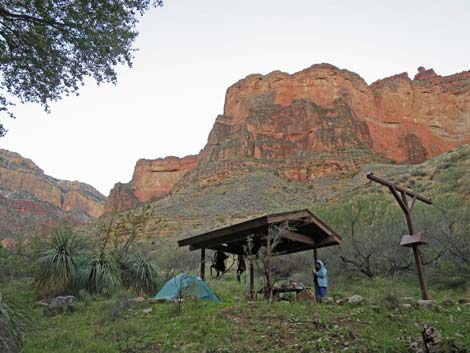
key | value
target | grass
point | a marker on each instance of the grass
(237, 325)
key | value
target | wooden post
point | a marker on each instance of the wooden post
(315, 258)
(401, 196)
(252, 279)
(203, 263)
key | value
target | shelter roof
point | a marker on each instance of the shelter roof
(306, 232)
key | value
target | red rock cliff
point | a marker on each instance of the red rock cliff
(152, 180)
(26, 190)
(322, 121)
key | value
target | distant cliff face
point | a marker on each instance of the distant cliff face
(152, 180)
(26, 190)
(421, 118)
(321, 121)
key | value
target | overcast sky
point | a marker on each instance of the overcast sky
(190, 51)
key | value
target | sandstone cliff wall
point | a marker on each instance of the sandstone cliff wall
(25, 188)
(321, 121)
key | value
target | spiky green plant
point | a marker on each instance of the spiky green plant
(11, 332)
(56, 266)
(142, 276)
(99, 275)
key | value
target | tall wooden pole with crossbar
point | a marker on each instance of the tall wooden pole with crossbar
(407, 199)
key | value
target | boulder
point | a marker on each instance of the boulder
(137, 300)
(341, 301)
(407, 300)
(405, 306)
(427, 304)
(356, 300)
(147, 311)
(327, 300)
(60, 305)
(433, 340)
(448, 303)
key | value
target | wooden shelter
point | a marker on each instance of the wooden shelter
(307, 233)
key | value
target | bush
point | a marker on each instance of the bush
(142, 276)
(11, 332)
(56, 266)
(99, 275)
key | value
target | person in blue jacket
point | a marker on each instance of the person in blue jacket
(321, 282)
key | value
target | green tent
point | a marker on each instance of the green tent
(185, 285)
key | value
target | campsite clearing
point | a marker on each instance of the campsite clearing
(236, 325)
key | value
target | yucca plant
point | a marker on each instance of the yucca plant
(99, 275)
(142, 276)
(11, 331)
(56, 266)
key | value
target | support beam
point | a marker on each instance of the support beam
(203, 263)
(372, 177)
(300, 238)
(407, 208)
(315, 258)
(419, 269)
(252, 278)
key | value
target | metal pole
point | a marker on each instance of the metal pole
(203, 263)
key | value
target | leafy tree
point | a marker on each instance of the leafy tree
(47, 48)
(371, 228)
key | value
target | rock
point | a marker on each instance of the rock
(282, 122)
(405, 306)
(60, 305)
(375, 308)
(341, 301)
(327, 300)
(427, 304)
(46, 201)
(464, 301)
(448, 303)
(137, 300)
(356, 300)
(407, 300)
(433, 340)
(40, 304)
(147, 311)
(151, 181)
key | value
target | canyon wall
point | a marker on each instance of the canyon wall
(26, 190)
(319, 122)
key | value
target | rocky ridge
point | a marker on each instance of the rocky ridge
(320, 122)
(28, 194)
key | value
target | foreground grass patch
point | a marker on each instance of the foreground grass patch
(103, 325)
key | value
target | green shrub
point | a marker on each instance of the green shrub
(99, 275)
(142, 276)
(56, 266)
(11, 332)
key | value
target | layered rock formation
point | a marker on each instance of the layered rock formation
(151, 181)
(322, 121)
(27, 193)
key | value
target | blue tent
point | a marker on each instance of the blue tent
(185, 285)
